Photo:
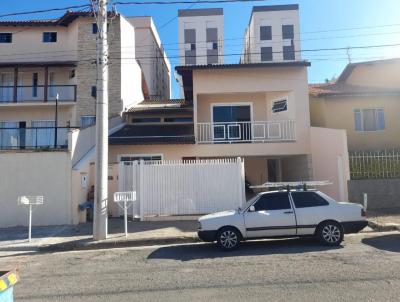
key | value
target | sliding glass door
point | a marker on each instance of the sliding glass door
(231, 122)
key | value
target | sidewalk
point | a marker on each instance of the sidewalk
(79, 237)
(384, 220)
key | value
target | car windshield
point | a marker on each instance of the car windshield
(248, 203)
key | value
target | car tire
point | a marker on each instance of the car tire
(228, 238)
(330, 233)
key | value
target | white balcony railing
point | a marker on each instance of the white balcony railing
(239, 132)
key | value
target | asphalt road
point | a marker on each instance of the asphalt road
(365, 268)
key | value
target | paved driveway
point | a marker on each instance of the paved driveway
(365, 268)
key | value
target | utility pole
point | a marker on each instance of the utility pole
(100, 224)
(56, 124)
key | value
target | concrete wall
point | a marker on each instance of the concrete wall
(338, 113)
(200, 24)
(156, 70)
(35, 173)
(275, 19)
(330, 161)
(382, 193)
(383, 74)
(27, 44)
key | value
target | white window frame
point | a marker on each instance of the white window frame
(141, 155)
(279, 100)
(212, 105)
(362, 119)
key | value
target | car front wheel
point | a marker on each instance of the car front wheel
(330, 233)
(228, 238)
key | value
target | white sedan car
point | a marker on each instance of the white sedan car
(284, 214)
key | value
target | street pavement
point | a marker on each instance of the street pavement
(365, 268)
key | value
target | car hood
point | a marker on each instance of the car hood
(218, 215)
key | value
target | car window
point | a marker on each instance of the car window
(308, 199)
(273, 201)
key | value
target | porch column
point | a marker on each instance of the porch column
(15, 91)
(46, 82)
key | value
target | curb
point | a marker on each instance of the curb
(385, 227)
(108, 244)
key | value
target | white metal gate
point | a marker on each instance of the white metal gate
(183, 188)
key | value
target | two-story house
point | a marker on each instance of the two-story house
(257, 109)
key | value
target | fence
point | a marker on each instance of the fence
(183, 188)
(234, 132)
(374, 164)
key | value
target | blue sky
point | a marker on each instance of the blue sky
(324, 24)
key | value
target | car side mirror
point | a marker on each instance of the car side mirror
(252, 209)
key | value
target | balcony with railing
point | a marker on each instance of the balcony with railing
(39, 138)
(36, 94)
(246, 132)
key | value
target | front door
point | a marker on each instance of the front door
(273, 216)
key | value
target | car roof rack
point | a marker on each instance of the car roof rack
(293, 184)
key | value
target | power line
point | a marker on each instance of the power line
(46, 10)
(183, 2)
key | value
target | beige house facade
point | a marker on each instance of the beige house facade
(364, 101)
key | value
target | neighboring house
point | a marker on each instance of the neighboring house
(365, 101)
(43, 59)
(152, 57)
(258, 111)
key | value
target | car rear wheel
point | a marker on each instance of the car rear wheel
(330, 233)
(228, 238)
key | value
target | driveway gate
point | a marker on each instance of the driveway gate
(183, 188)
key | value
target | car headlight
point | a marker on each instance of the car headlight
(199, 225)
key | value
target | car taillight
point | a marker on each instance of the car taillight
(363, 213)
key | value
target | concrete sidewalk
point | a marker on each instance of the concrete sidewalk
(384, 220)
(79, 237)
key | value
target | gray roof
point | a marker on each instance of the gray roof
(271, 8)
(200, 12)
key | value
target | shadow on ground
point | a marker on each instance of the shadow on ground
(115, 226)
(389, 243)
(248, 248)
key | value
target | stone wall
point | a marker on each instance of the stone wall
(382, 193)
(86, 70)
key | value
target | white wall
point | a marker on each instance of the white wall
(200, 24)
(36, 173)
(131, 74)
(275, 19)
(330, 160)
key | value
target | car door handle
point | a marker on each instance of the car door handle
(288, 212)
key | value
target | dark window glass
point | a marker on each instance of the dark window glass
(273, 201)
(288, 52)
(231, 114)
(193, 46)
(49, 37)
(265, 33)
(190, 36)
(141, 157)
(94, 28)
(5, 38)
(94, 92)
(146, 120)
(178, 119)
(266, 53)
(287, 32)
(215, 45)
(308, 199)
